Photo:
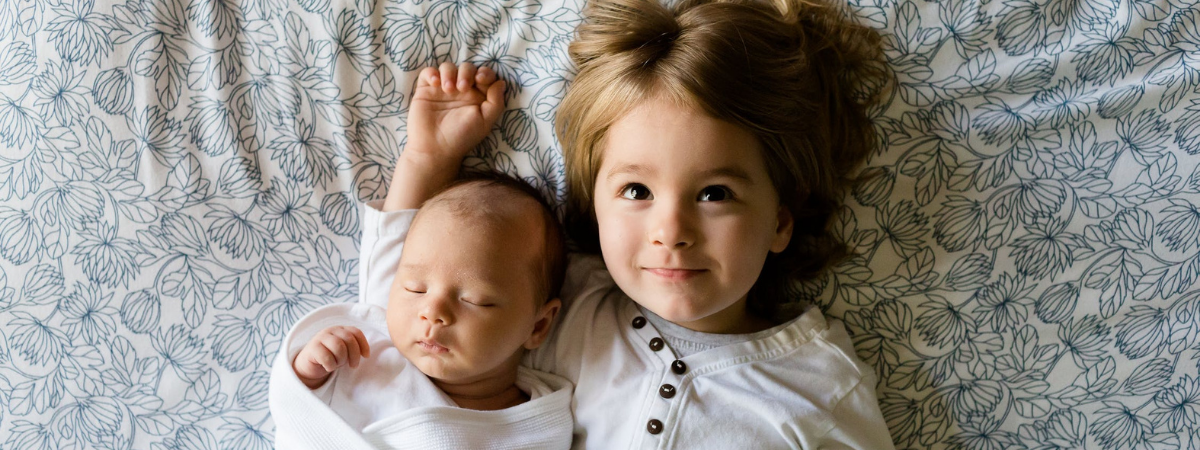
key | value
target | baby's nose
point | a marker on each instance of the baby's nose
(436, 310)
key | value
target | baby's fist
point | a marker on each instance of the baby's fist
(330, 349)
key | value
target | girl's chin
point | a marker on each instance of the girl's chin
(676, 314)
(685, 311)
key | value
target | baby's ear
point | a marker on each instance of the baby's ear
(545, 320)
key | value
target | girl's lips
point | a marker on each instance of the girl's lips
(675, 274)
(432, 347)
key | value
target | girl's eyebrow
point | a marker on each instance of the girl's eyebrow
(729, 172)
(639, 170)
(629, 169)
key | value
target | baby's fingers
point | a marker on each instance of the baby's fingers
(362, 341)
(348, 345)
(449, 75)
(494, 105)
(308, 364)
(339, 344)
(466, 76)
(352, 350)
(485, 77)
(326, 354)
(428, 77)
(357, 346)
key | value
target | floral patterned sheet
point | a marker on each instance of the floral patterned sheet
(180, 182)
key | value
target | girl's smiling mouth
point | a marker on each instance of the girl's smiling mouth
(674, 274)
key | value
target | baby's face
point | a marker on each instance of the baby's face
(462, 306)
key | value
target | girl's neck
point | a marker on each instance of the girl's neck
(735, 319)
(492, 391)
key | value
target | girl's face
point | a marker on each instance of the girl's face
(687, 215)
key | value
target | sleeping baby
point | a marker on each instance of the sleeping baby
(451, 296)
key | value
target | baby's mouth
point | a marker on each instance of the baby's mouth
(432, 346)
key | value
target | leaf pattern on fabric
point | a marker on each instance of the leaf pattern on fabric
(180, 181)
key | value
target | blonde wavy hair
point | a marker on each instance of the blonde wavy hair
(799, 75)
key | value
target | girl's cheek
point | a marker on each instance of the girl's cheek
(616, 236)
(606, 214)
(628, 227)
(611, 236)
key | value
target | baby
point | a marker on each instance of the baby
(469, 288)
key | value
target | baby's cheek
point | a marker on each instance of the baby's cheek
(396, 321)
(508, 332)
(395, 298)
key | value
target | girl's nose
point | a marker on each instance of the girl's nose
(672, 228)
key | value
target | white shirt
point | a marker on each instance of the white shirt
(800, 387)
(387, 402)
(685, 342)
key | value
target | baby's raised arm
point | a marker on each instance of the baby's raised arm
(452, 110)
(330, 349)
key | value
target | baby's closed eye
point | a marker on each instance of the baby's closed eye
(482, 303)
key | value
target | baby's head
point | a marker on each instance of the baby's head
(478, 280)
(707, 146)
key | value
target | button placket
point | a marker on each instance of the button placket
(666, 391)
(654, 426)
(656, 344)
(659, 411)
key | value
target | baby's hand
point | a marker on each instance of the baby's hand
(452, 110)
(330, 349)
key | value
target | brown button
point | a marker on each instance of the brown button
(678, 367)
(639, 322)
(666, 391)
(656, 344)
(654, 426)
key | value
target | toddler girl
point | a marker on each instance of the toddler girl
(707, 145)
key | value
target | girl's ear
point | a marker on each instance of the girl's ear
(783, 229)
(545, 319)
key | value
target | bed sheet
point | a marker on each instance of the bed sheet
(179, 182)
(1029, 244)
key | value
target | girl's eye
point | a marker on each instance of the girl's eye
(635, 191)
(715, 194)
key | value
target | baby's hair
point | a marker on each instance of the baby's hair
(799, 75)
(493, 198)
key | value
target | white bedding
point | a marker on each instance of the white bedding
(178, 181)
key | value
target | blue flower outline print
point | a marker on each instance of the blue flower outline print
(181, 180)
(1065, 213)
